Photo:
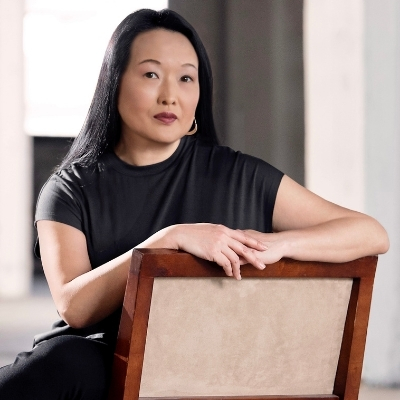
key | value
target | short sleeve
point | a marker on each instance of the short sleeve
(261, 189)
(272, 181)
(58, 201)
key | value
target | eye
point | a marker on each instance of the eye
(186, 78)
(151, 75)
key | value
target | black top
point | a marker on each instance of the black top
(117, 205)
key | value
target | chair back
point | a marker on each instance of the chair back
(293, 329)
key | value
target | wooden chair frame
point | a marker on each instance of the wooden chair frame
(148, 264)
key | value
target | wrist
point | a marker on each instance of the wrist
(286, 243)
(176, 236)
(166, 238)
(171, 237)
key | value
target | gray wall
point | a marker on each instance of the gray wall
(15, 157)
(256, 53)
(48, 152)
(382, 183)
(353, 142)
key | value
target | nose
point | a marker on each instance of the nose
(167, 94)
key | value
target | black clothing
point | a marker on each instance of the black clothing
(63, 368)
(117, 206)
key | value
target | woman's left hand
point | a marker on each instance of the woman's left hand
(275, 246)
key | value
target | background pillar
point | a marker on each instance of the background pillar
(256, 53)
(265, 88)
(382, 183)
(352, 85)
(15, 158)
(334, 88)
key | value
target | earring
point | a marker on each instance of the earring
(193, 129)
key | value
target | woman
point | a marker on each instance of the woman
(146, 171)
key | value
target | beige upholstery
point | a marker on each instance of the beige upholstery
(279, 335)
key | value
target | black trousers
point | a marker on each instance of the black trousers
(62, 368)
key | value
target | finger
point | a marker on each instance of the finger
(234, 260)
(247, 254)
(249, 241)
(243, 261)
(224, 262)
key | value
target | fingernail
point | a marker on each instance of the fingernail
(261, 265)
(264, 246)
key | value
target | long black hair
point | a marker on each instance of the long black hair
(101, 130)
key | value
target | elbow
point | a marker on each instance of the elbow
(384, 243)
(381, 239)
(75, 323)
(74, 318)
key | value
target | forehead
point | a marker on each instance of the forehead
(163, 45)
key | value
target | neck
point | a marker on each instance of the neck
(144, 154)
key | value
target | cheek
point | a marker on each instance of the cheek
(191, 101)
(133, 100)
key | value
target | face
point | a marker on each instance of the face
(159, 90)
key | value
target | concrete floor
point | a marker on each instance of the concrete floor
(21, 319)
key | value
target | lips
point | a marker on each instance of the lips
(166, 117)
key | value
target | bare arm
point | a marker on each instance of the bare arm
(307, 228)
(310, 228)
(84, 296)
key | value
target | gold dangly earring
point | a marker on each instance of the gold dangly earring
(193, 130)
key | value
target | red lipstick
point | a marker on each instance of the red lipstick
(166, 117)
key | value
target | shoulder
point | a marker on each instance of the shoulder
(68, 182)
(227, 159)
(62, 197)
(76, 177)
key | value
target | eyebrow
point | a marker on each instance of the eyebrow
(150, 60)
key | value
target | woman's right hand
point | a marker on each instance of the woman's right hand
(227, 247)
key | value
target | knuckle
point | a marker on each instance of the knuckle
(241, 233)
(214, 252)
(219, 236)
(235, 261)
(252, 253)
(221, 228)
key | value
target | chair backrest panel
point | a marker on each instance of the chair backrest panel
(216, 336)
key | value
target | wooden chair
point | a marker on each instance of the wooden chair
(295, 330)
